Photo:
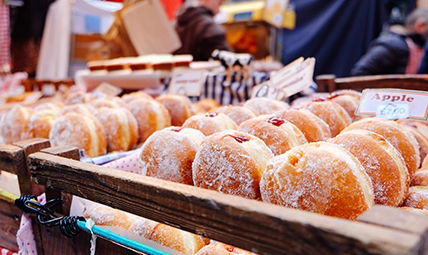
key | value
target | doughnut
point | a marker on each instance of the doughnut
(120, 128)
(106, 216)
(231, 162)
(78, 108)
(318, 177)
(417, 198)
(48, 106)
(314, 128)
(107, 102)
(420, 139)
(168, 154)
(150, 115)
(210, 123)
(348, 92)
(420, 178)
(261, 105)
(78, 97)
(332, 113)
(127, 98)
(421, 126)
(349, 103)
(238, 114)
(14, 124)
(179, 108)
(425, 162)
(40, 123)
(217, 248)
(278, 134)
(401, 139)
(381, 161)
(79, 130)
(205, 105)
(414, 210)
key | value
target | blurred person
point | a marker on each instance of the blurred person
(198, 32)
(397, 51)
(423, 68)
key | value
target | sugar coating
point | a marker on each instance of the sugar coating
(14, 125)
(417, 197)
(238, 114)
(262, 105)
(210, 125)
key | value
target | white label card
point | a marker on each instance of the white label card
(105, 89)
(187, 83)
(267, 90)
(394, 104)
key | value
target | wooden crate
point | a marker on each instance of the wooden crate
(248, 224)
(329, 83)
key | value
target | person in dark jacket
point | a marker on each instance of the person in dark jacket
(389, 54)
(423, 68)
(198, 32)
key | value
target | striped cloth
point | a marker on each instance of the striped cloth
(4, 35)
(4, 251)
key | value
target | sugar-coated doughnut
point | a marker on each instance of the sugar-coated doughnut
(278, 134)
(348, 92)
(179, 108)
(381, 161)
(169, 153)
(318, 177)
(120, 128)
(78, 108)
(210, 123)
(425, 162)
(14, 124)
(420, 125)
(414, 210)
(127, 98)
(420, 178)
(78, 97)
(332, 113)
(238, 114)
(205, 105)
(150, 115)
(401, 139)
(106, 216)
(261, 105)
(314, 128)
(40, 123)
(79, 130)
(107, 102)
(349, 103)
(417, 198)
(420, 139)
(217, 248)
(56, 108)
(231, 162)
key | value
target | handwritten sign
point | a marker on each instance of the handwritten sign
(187, 83)
(394, 104)
(267, 90)
(106, 90)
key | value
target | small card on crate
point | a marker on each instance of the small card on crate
(187, 83)
(394, 104)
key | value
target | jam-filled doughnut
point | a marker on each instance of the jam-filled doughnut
(40, 123)
(231, 162)
(113, 102)
(169, 153)
(348, 92)
(179, 107)
(332, 113)
(120, 128)
(401, 139)
(205, 105)
(318, 177)
(415, 210)
(314, 128)
(417, 197)
(278, 134)
(425, 162)
(14, 124)
(217, 248)
(150, 115)
(106, 216)
(421, 139)
(420, 178)
(261, 105)
(78, 97)
(56, 108)
(128, 98)
(210, 123)
(79, 130)
(78, 108)
(349, 103)
(238, 114)
(381, 161)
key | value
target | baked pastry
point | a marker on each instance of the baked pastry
(332, 113)
(179, 108)
(414, 210)
(79, 130)
(314, 128)
(217, 248)
(349, 103)
(120, 128)
(78, 97)
(238, 114)
(278, 134)
(205, 105)
(106, 216)
(127, 98)
(318, 177)
(425, 162)
(78, 108)
(168, 154)
(261, 105)
(40, 123)
(348, 92)
(231, 162)
(210, 123)
(115, 102)
(420, 178)
(14, 125)
(421, 139)
(417, 198)
(401, 139)
(56, 108)
(150, 115)
(381, 161)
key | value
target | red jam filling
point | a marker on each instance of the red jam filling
(176, 129)
(333, 96)
(240, 139)
(276, 121)
(318, 100)
(211, 114)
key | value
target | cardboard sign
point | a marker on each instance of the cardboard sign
(187, 83)
(106, 90)
(267, 90)
(394, 104)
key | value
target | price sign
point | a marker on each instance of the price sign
(394, 104)
(267, 90)
(187, 83)
(106, 90)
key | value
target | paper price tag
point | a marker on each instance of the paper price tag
(106, 90)
(187, 83)
(268, 91)
(394, 104)
(298, 79)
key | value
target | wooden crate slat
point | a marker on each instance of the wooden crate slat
(248, 224)
(9, 224)
(11, 158)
